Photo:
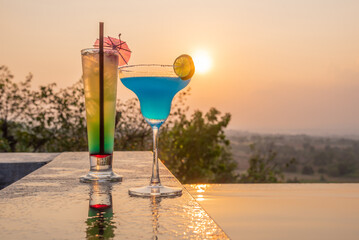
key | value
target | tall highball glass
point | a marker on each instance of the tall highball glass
(100, 100)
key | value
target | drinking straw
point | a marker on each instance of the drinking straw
(101, 73)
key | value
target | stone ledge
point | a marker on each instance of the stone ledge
(51, 203)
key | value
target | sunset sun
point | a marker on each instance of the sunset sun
(202, 61)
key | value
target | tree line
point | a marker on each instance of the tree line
(193, 147)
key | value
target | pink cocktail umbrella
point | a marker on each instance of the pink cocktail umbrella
(119, 45)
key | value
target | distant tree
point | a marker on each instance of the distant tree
(292, 168)
(63, 116)
(340, 169)
(344, 168)
(307, 170)
(196, 150)
(263, 168)
(14, 102)
(40, 120)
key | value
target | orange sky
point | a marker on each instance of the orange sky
(277, 66)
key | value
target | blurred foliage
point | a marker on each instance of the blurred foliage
(263, 168)
(195, 149)
(41, 120)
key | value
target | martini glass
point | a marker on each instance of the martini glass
(155, 86)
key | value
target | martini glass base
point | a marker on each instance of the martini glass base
(155, 191)
(101, 176)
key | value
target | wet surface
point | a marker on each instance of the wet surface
(282, 211)
(51, 203)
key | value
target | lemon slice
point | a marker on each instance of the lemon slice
(184, 67)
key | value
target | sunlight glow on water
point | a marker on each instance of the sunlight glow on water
(200, 188)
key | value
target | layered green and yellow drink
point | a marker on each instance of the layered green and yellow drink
(100, 100)
(90, 65)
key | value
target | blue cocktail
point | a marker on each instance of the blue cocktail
(155, 87)
(155, 95)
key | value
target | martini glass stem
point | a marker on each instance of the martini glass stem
(155, 179)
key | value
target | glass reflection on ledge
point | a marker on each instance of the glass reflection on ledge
(200, 224)
(155, 205)
(100, 214)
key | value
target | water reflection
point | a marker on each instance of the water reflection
(200, 224)
(100, 215)
(155, 205)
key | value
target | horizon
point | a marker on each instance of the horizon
(310, 132)
(277, 66)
